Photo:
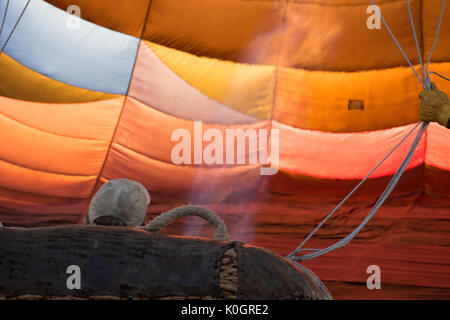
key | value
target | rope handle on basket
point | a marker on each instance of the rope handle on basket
(163, 220)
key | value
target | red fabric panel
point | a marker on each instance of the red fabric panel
(344, 155)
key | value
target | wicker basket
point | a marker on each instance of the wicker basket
(119, 263)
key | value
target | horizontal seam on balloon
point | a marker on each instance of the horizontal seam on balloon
(47, 171)
(62, 82)
(49, 132)
(29, 70)
(185, 166)
(296, 68)
(280, 125)
(366, 132)
(391, 67)
(332, 5)
(259, 122)
(256, 120)
(433, 166)
(38, 203)
(33, 194)
(301, 99)
(291, 171)
(148, 43)
(367, 71)
(68, 104)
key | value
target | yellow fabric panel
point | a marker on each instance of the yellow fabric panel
(333, 35)
(19, 82)
(319, 100)
(124, 16)
(236, 30)
(93, 120)
(245, 88)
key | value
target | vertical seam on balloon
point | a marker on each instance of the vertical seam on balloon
(116, 127)
(139, 47)
(121, 113)
(123, 108)
(147, 16)
(106, 156)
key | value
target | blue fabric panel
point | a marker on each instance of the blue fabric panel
(91, 57)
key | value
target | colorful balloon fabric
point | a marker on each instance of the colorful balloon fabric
(81, 105)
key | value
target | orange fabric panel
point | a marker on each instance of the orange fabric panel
(438, 141)
(168, 178)
(319, 100)
(55, 149)
(43, 151)
(354, 155)
(92, 120)
(430, 17)
(314, 35)
(45, 183)
(44, 148)
(117, 15)
(243, 31)
(333, 35)
(33, 204)
(148, 131)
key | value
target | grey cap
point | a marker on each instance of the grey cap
(122, 198)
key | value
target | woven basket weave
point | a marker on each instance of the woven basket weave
(121, 263)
